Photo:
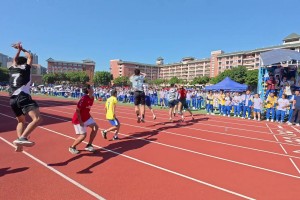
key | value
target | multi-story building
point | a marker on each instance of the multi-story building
(4, 59)
(189, 67)
(126, 68)
(57, 66)
(250, 59)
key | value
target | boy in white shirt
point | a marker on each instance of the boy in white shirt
(257, 105)
(283, 104)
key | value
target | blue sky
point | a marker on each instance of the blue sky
(143, 30)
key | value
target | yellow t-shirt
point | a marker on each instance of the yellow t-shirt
(222, 99)
(271, 102)
(110, 107)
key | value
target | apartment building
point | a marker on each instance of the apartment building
(187, 69)
(126, 68)
(57, 66)
(250, 59)
(190, 67)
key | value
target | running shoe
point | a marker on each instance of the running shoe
(143, 120)
(154, 117)
(73, 150)
(89, 148)
(23, 142)
(104, 133)
(115, 138)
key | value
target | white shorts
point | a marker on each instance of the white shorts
(79, 130)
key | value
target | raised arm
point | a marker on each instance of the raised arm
(144, 74)
(28, 55)
(17, 54)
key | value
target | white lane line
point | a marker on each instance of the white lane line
(283, 148)
(187, 150)
(92, 193)
(196, 138)
(191, 137)
(219, 133)
(149, 164)
(207, 124)
(295, 165)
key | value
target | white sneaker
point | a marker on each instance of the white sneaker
(228, 116)
(23, 142)
(90, 148)
(243, 117)
(254, 118)
(212, 113)
(268, 120)
(249, 118)
(289, 123)
(297, 124)
(272, 120)
(258, 119)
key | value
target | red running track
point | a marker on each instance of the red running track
(210, 158)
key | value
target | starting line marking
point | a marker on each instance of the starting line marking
(297, 151)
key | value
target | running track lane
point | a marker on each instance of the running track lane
(23, 178)
(115, 176)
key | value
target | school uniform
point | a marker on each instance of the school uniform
(247, 103)
(271, 101)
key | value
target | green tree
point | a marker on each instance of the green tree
(83, 77)
(252, 78)
(49, 78)
(102, 78)
(175, 80)
(200, 80)
(214, 80)
(122, 81)
(4, 74)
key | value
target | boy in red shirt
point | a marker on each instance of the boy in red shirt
(82, 119)
(182, 103)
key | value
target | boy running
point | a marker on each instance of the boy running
(82, 119)
(110, 108)
(148, 99)
(20, 100)
(172, 101)
(137, 81)
(182, 103)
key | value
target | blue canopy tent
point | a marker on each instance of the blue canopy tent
(283, 57)
(227, 85)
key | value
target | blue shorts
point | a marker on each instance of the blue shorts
(147, 101)
(114, 122)
(257, 110)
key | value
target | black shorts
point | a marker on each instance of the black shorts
(22, 103)
(173, 103)
(139, 98)
(184, 104)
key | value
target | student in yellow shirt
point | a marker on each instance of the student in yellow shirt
(271, 101)
(110, 108)
(221, 98)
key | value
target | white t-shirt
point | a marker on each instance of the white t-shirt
(257, 103)
(282, 103)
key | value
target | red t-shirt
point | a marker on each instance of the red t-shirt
(271, 84)
(182, 93)
(84, 105)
